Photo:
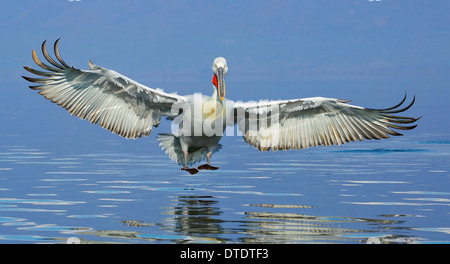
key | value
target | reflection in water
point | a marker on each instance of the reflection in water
(196, 215)
(198, 219)
(275, 227)
(109, 197)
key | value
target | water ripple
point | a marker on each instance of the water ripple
(39, 201)
(320, 195)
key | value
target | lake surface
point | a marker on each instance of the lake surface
(391, 191)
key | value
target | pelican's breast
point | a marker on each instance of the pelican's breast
(212, 109)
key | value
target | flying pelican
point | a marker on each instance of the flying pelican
(130, 109)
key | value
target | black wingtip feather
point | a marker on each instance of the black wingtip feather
(61, 66)
(35, 80)
(397, 105)
(403, 109)
(397, 122)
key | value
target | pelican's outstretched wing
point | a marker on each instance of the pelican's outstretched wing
(303, 123)
(102, 96)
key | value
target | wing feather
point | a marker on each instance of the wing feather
(101, 96)
(308, 122)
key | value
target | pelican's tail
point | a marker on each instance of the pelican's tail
(171, 145)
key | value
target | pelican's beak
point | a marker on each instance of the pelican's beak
(220, 83)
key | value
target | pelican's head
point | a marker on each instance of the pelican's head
(220, 69)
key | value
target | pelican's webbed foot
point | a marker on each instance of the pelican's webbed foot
(192, 171)
(207, 167)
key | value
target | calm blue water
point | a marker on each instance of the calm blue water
(393, 191)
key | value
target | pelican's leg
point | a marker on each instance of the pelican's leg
(186, 167)
(207, 166)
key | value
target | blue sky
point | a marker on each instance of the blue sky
(368, 52)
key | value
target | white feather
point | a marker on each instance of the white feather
(307, 122)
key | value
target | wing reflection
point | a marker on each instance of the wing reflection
(276, 227)
(200, 219)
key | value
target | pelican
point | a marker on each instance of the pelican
(130, 109)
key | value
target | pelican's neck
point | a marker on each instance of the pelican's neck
(215, 96)
(214, 106)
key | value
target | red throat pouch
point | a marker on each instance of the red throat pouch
(214, 81)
